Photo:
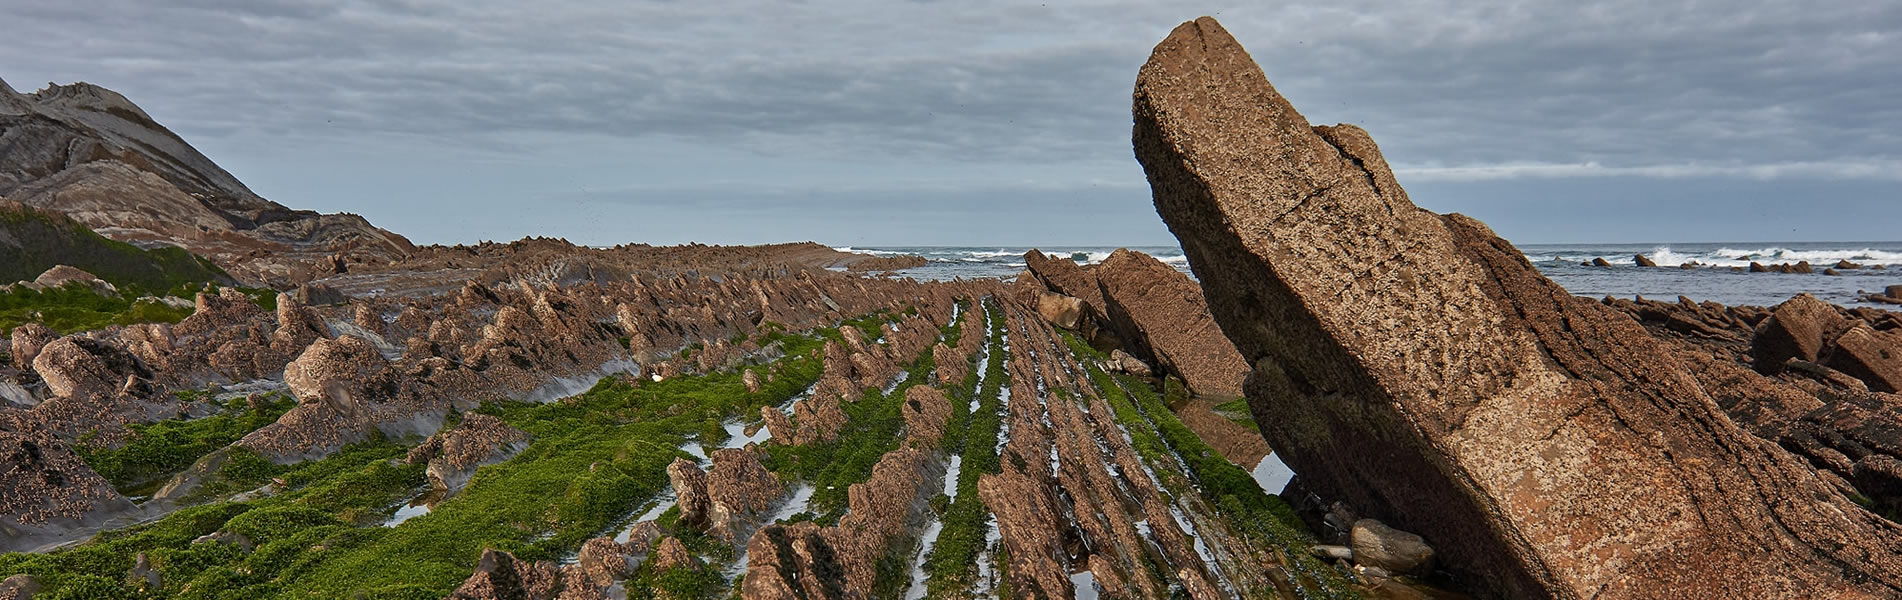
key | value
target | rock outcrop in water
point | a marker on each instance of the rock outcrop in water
(1420, 369)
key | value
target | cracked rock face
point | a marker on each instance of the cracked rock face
(1543, 444)
(738, 488)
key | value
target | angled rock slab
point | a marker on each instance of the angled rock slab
(1419, 368)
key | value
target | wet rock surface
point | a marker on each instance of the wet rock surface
(1379, 329)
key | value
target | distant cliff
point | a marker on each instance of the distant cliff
(88, 152)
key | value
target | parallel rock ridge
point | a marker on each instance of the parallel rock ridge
(1419, 368)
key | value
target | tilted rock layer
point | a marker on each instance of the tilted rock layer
(1419, 368)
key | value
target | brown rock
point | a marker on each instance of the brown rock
(926, 413)
(738, 489)
(1758, 268)
(27, 341)
(60, 275)
(501, 576)
(671, 554)
(1161, 313)
(1643, 261)
(340, 372)
(1798, 328)
(1377, 545)
(1026, 518)
(453, 456)
(1601, 262)
(1127, 363)
(690, 487)
(751, 380)
(1060, 310)
(75, 366)
(1873, 356)
(1545, 445)
(792, 562)
(19, 587)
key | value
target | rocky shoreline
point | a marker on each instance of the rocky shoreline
(541, 420)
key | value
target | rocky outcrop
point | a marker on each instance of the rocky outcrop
(690, 489)
(91, 154)
(887, 263)
(926, 412)
(805, 561)
(61, 275)
(1164, 317)
(346, 391)
(19, 587)
(738, 490)
(1424, 372)
(47, 493)
(1060, 310)
(1805, 332)
(501, 576)
(1148, 307)
(453, 456)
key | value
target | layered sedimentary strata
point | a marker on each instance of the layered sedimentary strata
(806, 561)
(1418, 367)
(1073, 494)
(1775, 371)
(91, 154)
(1148, 307)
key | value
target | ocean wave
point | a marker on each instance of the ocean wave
(1723, 256)
(1780, 254)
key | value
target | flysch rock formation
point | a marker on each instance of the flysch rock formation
(92, 154)
(1153, 310)
(1420, 369)
(1771, 370)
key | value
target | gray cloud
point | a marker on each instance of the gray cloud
(973, 95)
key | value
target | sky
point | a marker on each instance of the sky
(982, 122)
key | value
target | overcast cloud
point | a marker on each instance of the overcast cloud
(982, 122)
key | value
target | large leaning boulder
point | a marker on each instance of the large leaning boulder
(1419, 368)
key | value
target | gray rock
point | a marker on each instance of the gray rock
(1377, 545)
(1332, 552)
(226, 537)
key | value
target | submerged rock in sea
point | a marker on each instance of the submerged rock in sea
(1423, 371)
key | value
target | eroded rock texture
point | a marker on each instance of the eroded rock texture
(1155, 311)
(1418, 367)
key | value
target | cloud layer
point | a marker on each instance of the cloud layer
(975, 95)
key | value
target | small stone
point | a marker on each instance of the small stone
(1377, 545)
(1332, 552)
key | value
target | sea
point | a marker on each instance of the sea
(1561, 262)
